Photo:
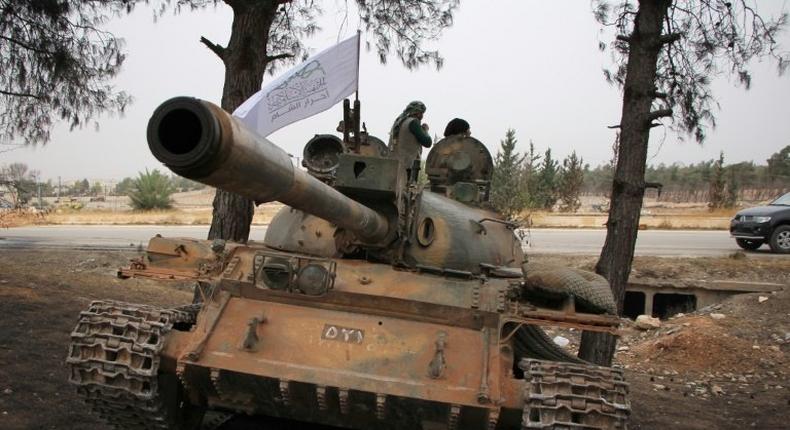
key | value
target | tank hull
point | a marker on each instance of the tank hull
(383, 347)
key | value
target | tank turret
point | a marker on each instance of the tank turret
(352, 198)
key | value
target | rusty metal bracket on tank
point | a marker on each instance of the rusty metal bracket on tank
(506, 339)
(484, 395)
(438, 363)
(196, 348)
(138, 269)
(251, 339)
(481, 229)
(588, 322)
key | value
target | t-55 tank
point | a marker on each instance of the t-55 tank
(374, 301)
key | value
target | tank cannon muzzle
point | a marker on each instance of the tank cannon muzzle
(200, 141)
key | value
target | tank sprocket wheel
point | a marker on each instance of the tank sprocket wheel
(568, 396)
(114, 362)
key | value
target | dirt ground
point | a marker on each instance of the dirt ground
(695, 372)
(41, 295)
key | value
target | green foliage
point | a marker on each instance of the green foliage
(403, 26)
(151, 190)
(779, 165)
(48, 189)
(508, 195)
(530, 174)
(422, 177)
(708, 38)
(19, 181)
(570, 183)
(545, 195)
(80, 188)
(716, 191)
(723, 192)
(96, 189)
(695, 179)
(732, 189)
(124, 187)
(399, 27)
(57, 64)
(182, 184)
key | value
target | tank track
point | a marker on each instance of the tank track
(114, 362)
(571, 396)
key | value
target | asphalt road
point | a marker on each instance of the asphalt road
(551, 241)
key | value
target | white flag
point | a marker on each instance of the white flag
(309, 88)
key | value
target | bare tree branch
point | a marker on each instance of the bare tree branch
(217, 49)
(661, 113)
(278, 57)
(669, 38)
(17, 94)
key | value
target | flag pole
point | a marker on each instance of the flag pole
(359, 41)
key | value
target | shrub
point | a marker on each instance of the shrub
(151, 190)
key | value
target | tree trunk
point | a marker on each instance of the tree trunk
(628, 186)
(245, 60)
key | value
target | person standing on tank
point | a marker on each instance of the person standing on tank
(408, 136)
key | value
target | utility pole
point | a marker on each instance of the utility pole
(58, 200)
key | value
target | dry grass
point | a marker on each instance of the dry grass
(199, 216)
(684, 221)
(15, 218)
(265, 213)
(194, 208)
(98, 216)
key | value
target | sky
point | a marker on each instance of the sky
(525, 64)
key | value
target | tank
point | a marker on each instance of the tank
(376, 300)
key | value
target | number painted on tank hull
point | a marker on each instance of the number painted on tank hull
(342, 334)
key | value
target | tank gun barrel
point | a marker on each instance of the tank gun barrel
(200, 141)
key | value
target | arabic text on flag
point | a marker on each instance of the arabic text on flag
(309, 88)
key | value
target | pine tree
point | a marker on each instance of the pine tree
(570, 183)
(546, 189)
(716, 191)
(57, 64)
(529, 175)
(779, 166)
(666, 52)
(508, 195)
(96, 189)
(731, 194)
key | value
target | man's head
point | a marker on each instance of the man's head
(415, 109)
(456, 126)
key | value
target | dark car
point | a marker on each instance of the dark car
(770, 224)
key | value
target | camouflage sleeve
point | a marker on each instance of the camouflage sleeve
(416, 129)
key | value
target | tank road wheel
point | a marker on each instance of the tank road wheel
(114, 362)
(573, 396)
(780, 239)
(749, 244)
